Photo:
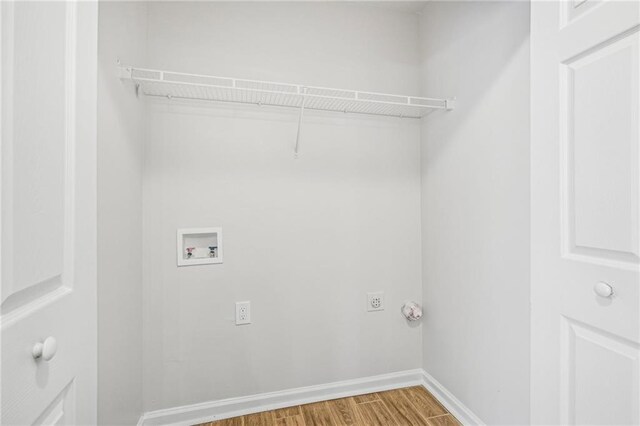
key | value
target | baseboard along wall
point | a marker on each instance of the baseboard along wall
(232, 407)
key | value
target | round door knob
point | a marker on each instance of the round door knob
(45, 350)
(603, 289)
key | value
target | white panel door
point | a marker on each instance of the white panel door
(585, 217)
(48, 293)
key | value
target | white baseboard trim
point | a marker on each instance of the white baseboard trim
(450, 402)
(232, 407)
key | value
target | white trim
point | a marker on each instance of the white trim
(450, 402)
(232, 407)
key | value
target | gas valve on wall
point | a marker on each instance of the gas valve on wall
(412, 311)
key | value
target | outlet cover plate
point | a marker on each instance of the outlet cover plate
(375, 301)
(243, 312)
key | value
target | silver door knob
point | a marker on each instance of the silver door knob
(45, 350)
(603, 289)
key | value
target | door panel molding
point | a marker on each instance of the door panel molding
(617, 358)
(600, 227)
(25, 299)
(572, 10)
(62, 410)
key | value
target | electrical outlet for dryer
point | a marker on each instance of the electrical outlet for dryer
(375, 301)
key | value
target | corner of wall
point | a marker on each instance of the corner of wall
(475, 205)
(122, 35)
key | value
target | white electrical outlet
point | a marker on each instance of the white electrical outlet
(375, 301)
(243, 312)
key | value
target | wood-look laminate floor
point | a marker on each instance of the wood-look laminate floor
(400, 407)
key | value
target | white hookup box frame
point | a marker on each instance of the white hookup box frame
(199, 246)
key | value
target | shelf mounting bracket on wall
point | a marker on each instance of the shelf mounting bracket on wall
(304, 98)
(450, 104)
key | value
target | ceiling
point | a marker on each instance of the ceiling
(400, 5)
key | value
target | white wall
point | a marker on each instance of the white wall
(475, 205)
(122, 34)
(304, 239)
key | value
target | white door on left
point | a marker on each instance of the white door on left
(48, 53)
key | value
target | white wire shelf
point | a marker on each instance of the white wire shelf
(203, 87)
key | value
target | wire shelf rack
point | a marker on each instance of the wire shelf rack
(202, 87)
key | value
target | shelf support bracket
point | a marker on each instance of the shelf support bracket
(450, 104)
(304, 98)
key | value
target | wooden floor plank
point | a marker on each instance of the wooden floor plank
(343, 412)
(375, 413)
(260, 419)
(446, 420)
(401, 409)
(317, 414)
(290, 421)
(413, 406)
(235, 421)
(287, 412)
(367, 398)
(426, 404)
(353, 404)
